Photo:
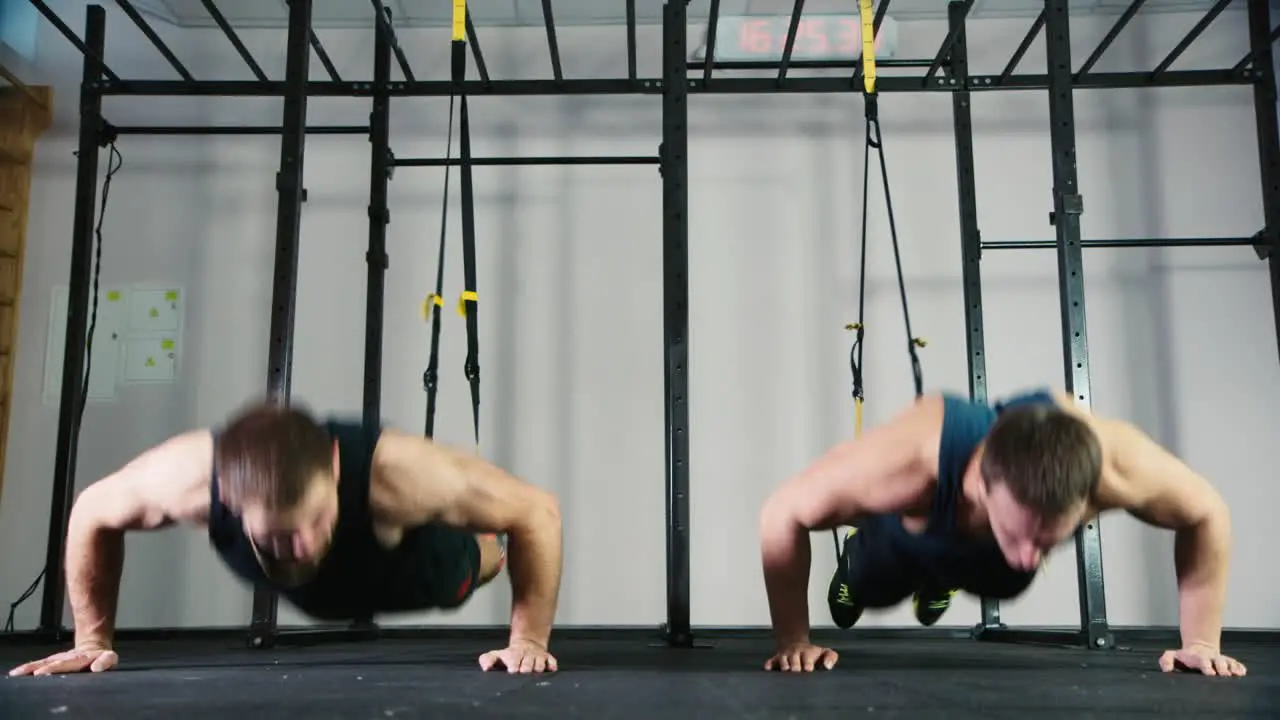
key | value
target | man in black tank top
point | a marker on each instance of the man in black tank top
(343, 520)
(953, 495)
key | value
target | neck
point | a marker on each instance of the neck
(973, 505)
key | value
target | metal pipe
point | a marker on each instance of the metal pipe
(1124, 243)
(243, 130)
(522, 161)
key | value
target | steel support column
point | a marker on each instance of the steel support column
(289, 186)
(675, 274)
(1068, 205)
(78, 298)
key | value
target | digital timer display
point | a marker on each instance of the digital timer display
(818, 37)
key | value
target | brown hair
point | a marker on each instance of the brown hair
(269, 454)
(1049, 460)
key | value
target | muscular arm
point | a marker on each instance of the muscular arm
(427, 482)
(164, 485)
(1159, 489)
(882, 472)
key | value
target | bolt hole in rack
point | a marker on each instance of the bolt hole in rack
(776, 48)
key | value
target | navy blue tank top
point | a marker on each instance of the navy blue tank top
(940, 547)
(358, 576)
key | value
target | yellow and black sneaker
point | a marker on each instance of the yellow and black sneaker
(844, 612)
(930, 604)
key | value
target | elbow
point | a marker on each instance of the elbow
(778, 520)
(87, 511)
(542, 512)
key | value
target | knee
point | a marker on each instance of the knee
(493, 557)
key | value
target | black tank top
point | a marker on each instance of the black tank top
(940, 547)
(358, 576)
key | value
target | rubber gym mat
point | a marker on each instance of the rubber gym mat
(402, 679)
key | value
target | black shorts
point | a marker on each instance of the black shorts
(882, 568)
(453, 565)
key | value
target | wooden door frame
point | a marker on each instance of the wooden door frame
(26, 112)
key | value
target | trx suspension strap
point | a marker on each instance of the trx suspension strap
(467, 302)
(875, 141)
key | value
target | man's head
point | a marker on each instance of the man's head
(1040, 467)
(278, 468)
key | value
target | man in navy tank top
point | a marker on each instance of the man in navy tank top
(953, 495)
(342, 520)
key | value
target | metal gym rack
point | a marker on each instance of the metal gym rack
(676, 84)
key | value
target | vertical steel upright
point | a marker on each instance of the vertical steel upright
(53, 599)
(291, 193)
(1265, 112)
(376, 258)
(675, 279)
(970, 235)
(1068, 205)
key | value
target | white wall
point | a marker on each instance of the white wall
(1182, 342)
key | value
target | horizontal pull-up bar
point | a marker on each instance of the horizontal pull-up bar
(805, 64)
(654, 86)
(245, 130)
(568, 160)
(1125, 243)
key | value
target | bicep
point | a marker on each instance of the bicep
(880, 472)
(1158, 488)
(164, 485)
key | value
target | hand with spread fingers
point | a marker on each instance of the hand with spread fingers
(802, 657)
(521, 656)
(90, 656)
(1203, 659)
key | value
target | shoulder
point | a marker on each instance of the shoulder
(400, 458)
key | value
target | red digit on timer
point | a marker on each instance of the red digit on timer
(815, 32)
(851, 36)
(754, 36)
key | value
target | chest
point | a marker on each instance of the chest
(295, 573)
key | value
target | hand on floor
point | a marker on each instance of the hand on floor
(522, 656)
(1202, 659)
(802, 657)
(94, 658)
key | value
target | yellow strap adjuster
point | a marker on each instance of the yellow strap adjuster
(471, 295)
(459, 20)
(868, 45)
(432, 299)
(857, 417)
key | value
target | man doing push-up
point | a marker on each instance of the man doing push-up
(343, 520)
(953, 495)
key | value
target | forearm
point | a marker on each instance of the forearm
(786, 556)
(94, 560)
(1202, 555)
(534, 559)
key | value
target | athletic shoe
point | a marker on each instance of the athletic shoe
(844, 611)
(930, 604)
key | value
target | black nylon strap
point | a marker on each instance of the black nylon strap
(469, 303)
(875, 140)
(431, 376)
